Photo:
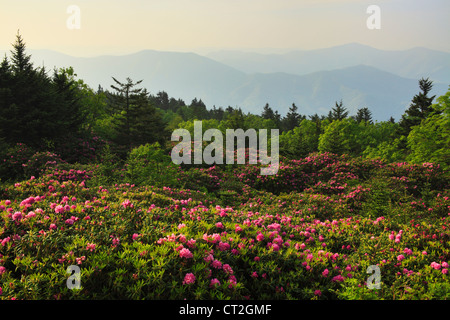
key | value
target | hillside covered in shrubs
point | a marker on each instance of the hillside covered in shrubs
(86, 179)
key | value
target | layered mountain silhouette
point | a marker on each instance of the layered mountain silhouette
(412, 63)
(360, 76)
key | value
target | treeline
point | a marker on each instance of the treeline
(421, 135)
(51, 114)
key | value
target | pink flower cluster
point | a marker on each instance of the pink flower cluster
(189, 278)
(186, 253)
(397, 238)
(127, 204)
(438, 266)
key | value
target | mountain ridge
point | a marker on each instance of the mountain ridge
(188, 75)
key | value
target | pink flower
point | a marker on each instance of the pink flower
(214, 283)
(191, 243)
(445, 271)
(219, 225)
(325, 273)
(2, 270)
(31, 214)
(59, 209)
(445, 264)
(53, 226)
(232, 282)
(127, 203)
(226, 267)
(115, 241)
(69, 221)
(90, 246)
(435, 265)
(408, 251)
(189, 278)
(400, 257)
(135, 236)
(338, 278)
(209, 258)
(17, 216)
(254, 274)
(216, 264)
(274, 226)
(181, 225)
(5, 241)
(1, 291)
(224, 246)
(186, 253)
(260, 237)
(318, 293)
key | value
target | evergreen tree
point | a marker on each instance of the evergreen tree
(339, 112)
(268, 112)
(364, 114)
(430, 140)
(419, 109)
(35, 109)
(162, 100)
(292, 119)
(199, 110)
(217, 113)
(277, 119)
(136, 120)
(68, 98)
(21, 61)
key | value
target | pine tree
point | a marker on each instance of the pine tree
(364, 114)
(268, 112)
(199, 110)
(292, 119)
(339, 112)
(136, 120)
(277, 119)
(6, 96)
(419, 109)
(21, 61)
(35, 109)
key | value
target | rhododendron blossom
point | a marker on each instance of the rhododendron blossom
(189, 278)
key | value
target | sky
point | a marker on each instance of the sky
(120, 27)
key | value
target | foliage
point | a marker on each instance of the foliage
(430, 140)
(150, 165)
(35, 108)
(317, 242)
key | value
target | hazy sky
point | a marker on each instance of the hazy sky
(117, 27)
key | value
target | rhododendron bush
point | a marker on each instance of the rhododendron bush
(309, 232)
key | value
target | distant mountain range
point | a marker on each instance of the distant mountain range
(383, 81)
(413, 63)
